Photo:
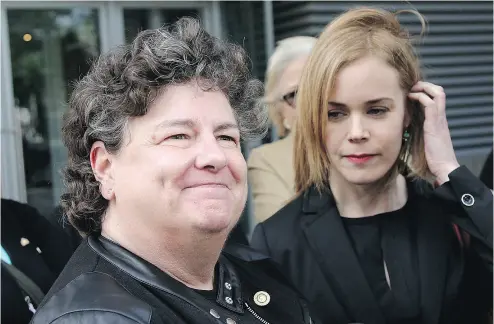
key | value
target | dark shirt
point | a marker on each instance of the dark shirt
(369, 240)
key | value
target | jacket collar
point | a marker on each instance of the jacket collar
(229, 289)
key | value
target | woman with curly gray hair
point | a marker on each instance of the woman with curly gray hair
(156, 181)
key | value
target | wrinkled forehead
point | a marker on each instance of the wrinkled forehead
(187, 106)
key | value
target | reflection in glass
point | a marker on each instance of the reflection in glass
(137, 20)
(49, 50)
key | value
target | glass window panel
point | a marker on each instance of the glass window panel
(137, 20)
(50, 49)
(172, 15)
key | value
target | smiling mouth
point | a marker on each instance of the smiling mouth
(208, 185)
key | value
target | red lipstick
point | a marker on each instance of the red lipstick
(359, 158)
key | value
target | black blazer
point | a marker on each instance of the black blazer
(486, 172)
(308, 240)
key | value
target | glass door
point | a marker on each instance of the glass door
(50, 49)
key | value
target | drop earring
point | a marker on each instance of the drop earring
(406, 136)
(406, 148)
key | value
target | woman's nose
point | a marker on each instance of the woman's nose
(210, 155)
(358, 132)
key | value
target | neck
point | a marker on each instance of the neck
(187, 257)
(356, 201)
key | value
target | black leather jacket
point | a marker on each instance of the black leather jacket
(104, 283)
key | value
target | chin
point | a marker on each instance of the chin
(363, 177)
(215, 221)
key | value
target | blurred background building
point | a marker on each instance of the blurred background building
(46, 45)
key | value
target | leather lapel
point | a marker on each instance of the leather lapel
(332, 248)
(150, 275)
(433, 228)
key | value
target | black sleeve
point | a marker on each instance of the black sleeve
(472, 203)
(486, 173)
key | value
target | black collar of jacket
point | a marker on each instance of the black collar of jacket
(314, 200)
(228, 282)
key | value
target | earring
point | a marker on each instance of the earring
(406, 135)
(286, 125)
(405, 150)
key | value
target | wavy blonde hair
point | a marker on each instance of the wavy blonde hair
(353, 35)
(287, 50)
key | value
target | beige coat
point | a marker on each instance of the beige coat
(271, 177)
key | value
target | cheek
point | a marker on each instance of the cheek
(237, 166)
(333, 139)
(391, 139)
(164, 167)
(287, 111)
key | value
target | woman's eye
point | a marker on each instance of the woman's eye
(377, 111)
(335, 114)
(227, 138)
(179, 137)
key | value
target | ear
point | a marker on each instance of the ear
(101, 164)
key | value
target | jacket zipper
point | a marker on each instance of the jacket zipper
(262, 320)
(259, 318)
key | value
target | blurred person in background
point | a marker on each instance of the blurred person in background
(156, 180)
(34, 252)
(387, 227)
(270, 166)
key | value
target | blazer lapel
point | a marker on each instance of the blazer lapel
(332, 248)
(432, 246)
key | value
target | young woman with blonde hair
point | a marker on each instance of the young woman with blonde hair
(386, 226)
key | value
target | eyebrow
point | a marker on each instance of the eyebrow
(368, 102)
(190, 123)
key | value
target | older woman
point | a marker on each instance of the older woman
(156, 180)
(271, 174)
(368, 238)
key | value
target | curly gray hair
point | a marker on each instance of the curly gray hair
(123, 83)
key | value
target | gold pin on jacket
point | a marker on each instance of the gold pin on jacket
(24, 241)
(261, 298)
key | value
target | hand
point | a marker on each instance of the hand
(439, 151)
